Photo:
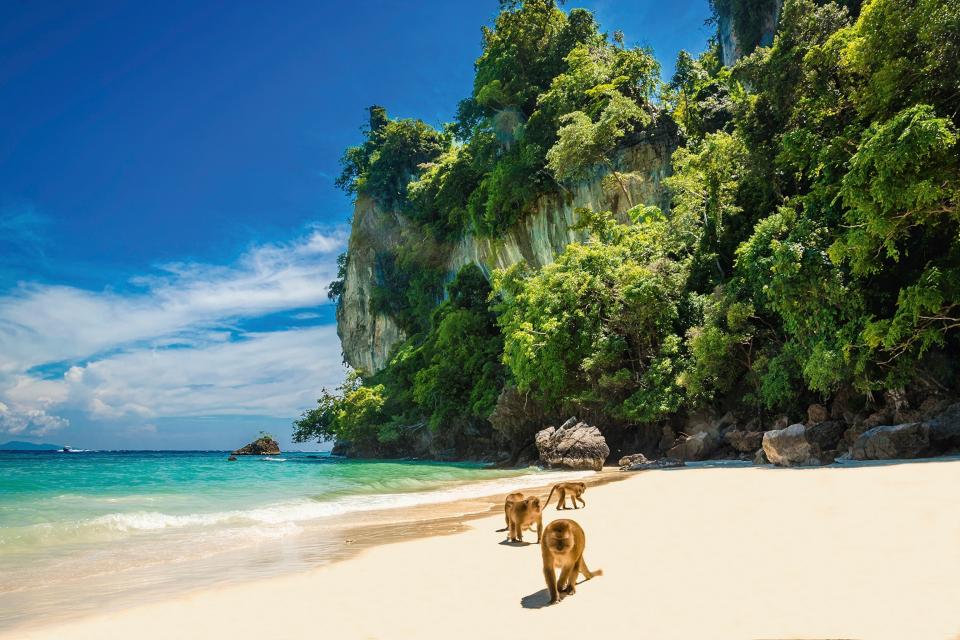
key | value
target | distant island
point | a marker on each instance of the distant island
(19, 445)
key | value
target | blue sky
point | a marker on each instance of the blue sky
(168, 220)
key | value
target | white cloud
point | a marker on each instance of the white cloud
(173, 346)
(15, 421)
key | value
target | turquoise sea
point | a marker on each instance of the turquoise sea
(79, 528)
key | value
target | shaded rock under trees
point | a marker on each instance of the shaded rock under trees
(695, 447)
(888, 442)
(790, 447)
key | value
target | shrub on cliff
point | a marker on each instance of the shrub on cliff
(597, 327)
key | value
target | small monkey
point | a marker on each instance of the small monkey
(575, 489)
(521, 515)
(516, 496)
(562, 546)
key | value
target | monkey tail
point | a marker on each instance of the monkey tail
(547, 503)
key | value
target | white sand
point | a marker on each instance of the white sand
(691, 553)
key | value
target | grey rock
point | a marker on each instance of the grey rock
(263, 446)
(640, 463)
(579, 446)
(790, 447)
(726, 421)
(667, 439)
(744, 441)
(781, 422)
(700, 422)
(890, 442)
(817, 413)
(945, 429)
(826, 434)
(633, 458)
(761, 457)
(696, 447)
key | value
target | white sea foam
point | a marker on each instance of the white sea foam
(303, 510)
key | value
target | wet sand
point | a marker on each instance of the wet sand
(836, 552)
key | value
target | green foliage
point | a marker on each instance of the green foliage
(592, 329)
(583, 143)
(702, 94)
(335, 289)
(353, 414)
(462, 374)
(811, 245)
(903, 175)
(389, 158)
(447, 378)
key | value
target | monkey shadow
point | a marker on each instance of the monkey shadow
(509, 543)
(537, 600)
(540, 599)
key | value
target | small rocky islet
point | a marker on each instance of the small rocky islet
(263, 446)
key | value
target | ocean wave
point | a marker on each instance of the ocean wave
(273, 459)
(295, 511)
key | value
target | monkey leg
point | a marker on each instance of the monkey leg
(568, 576)
(551, 577)
(539, 529)
(562, 502)
(582, 501)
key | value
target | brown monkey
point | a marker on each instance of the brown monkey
(516, 496)
(562, 546)
(521, 515)
(575, 489)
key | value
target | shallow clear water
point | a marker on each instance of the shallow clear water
(113, 520)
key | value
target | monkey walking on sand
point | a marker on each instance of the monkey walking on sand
(516, 496)
(575, 489)
(562, 545)
(522, 514)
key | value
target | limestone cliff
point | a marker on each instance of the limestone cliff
(731, 49)
(367, 337)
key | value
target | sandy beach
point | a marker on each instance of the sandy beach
(862, 552)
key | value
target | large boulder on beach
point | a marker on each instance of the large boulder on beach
(575, 445)
(696, 447)
(889, 442)
(262, 446)
(790, 447)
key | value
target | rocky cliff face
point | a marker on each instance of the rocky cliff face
(367, 338)
(730, 47)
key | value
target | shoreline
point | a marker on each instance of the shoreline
(857, 552)
(320, 543)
